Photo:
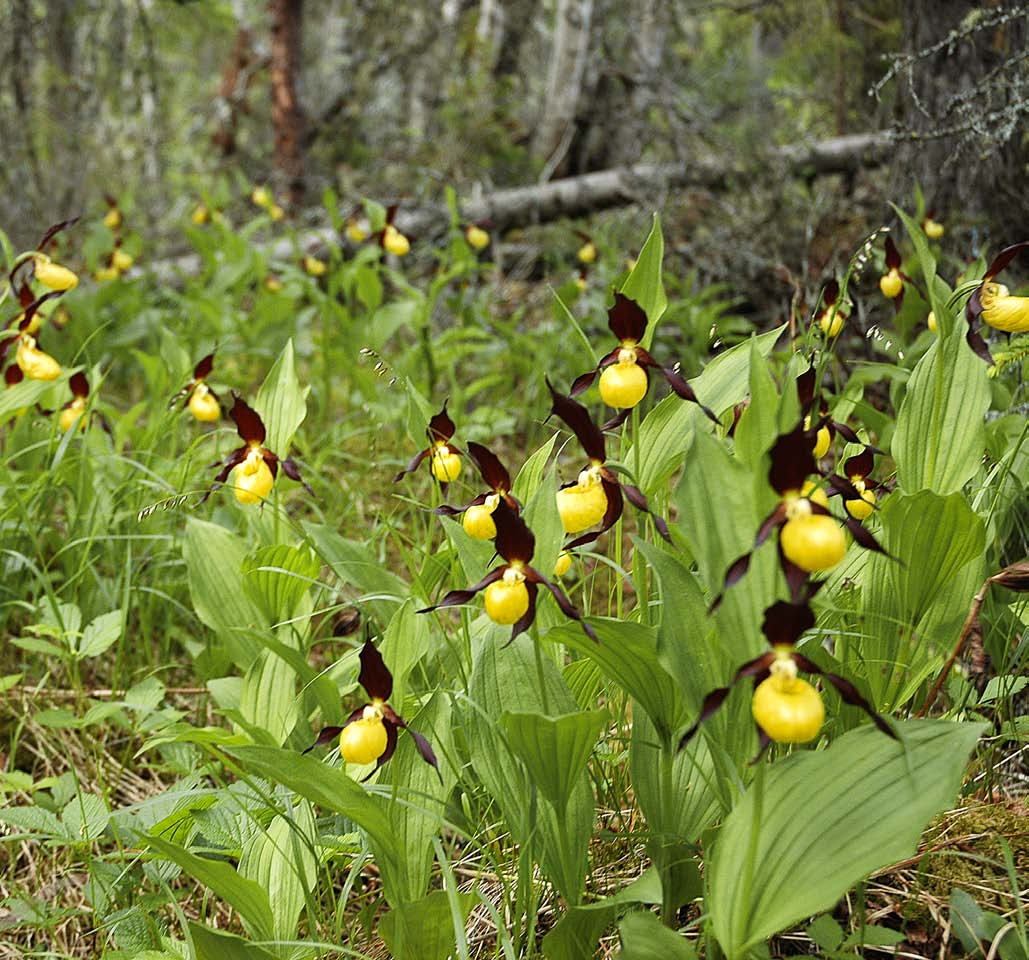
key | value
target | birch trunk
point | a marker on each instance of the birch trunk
(287, 114)
(564, 84)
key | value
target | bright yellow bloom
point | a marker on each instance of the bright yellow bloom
(1003, 311)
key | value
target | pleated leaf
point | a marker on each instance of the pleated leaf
(246, 897)
(666, 431)
(644, 284)
(281, 403)
(940, 437)
(276, 579)
(829, 818)
(627, 654)
(424, 929)
(222, 945)
(214, 558)
(554, 749)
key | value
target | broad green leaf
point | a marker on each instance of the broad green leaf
(355, 564)
(685, 645)
(268, 700)
(281, 403)
(940, 437)
(645, 937)
(222, 945)
(419, 817)
(627, 654)
(281, 860)
(554, 749)
(913, 604)
(666, 431)
(101, 634)
(644, 284)
(85, 817)
(33, 821)
(407, 639)
(323, 784)
(874, 798)
(939, 292)
(545, 522)
(675, 788)
(721, 506)
(576, 934)
(244, 896)
(529, 477)
(506, 681)
(758, 426)
(214, 558)
(25, 395)
(276, 579)
(424, 929)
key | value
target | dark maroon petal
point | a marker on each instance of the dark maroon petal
(249, 425)
(863, 537)
(576, 416)
(792, 461)
(426, 751)
(717, 697)
(831, 292)
(847, 691)
(234, 459)
(374, 676)
(892, 255)
(1004, 258)
(635, 496)
(684, 390)
(326, 735)
(391, 212)
(271, 461)
(455, 598)
(806, 389)
(626, 319)
(797, 579)
(290, 468)
(567, 607)
(785, 623)
(526, 618)
(775, 519)
(54, 230)
(412, 465)
(860, 465)
(975, 340)
(33, 308)
(204, 367)
(494, 474)
(514, 540)
(898, 301)
(733, 575)
(843, 487)
(448, 511)
(13, 374)
(79, 385)
(441, 427)
(617, 420)
(583, 382)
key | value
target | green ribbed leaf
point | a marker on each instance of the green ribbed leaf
(827, 819)
(940, 437)
(644, 284)
(554, 749)
(276, 579)
(281, 403)
(249, 899)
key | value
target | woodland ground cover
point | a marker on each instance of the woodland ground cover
(771, 514)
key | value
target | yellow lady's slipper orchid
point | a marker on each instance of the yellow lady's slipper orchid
(587, 253)
(53, 275)
(34, 363)
(1003, 311)
(120, 260)
(314, 266)
(200, 215)
(478, 239)
(395, 242)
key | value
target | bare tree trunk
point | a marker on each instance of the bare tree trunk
(564, 84)
(962, 109)
(233, 92)
(287, 114)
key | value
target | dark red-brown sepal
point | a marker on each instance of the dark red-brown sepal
(1004, 258)
(578, 420)
(328, 734)
(13, 375)
(847, 691)
(893, 260)
(249, 424)
(636, 497)
(626, 319)
(457, 598)
(785, 623)
(792, 460)
(717, 697)
(680, 387)
(374, 676)
(494, 474)
(514, 541)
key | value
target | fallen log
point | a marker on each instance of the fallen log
(590, 193)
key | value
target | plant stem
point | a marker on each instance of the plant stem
(667, 798)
